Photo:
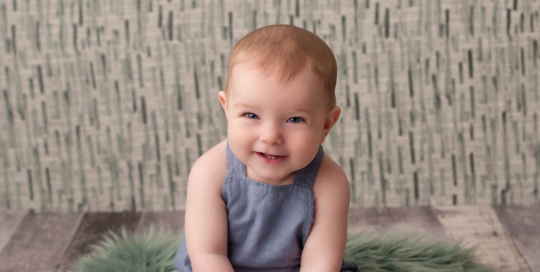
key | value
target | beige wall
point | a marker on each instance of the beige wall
(105, 105)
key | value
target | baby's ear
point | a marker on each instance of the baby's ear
(331, 119)
(223, 100)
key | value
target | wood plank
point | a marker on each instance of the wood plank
(93, 228)
(400, 219)
(166, 219)
(39, 242)
(523, 225)
(9, 221)
(480, 225)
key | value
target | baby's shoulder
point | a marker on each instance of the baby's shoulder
(211, 167)
(330, 179)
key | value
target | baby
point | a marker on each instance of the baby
(268, 198)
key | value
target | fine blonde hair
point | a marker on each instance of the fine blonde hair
(286, 50)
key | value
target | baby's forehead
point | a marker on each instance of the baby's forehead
(277, 73)
(303, 93)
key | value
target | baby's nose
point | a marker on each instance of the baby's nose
(271, 135)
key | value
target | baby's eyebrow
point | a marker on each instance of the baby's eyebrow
(305, 110)
(242, 105)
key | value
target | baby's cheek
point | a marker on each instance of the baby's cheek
(236, 129)
(240, 137)
(306, 145)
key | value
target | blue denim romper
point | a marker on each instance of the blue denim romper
(267, 224)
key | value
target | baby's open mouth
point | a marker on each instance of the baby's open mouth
(270, 156)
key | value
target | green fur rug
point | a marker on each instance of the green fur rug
(154, 250)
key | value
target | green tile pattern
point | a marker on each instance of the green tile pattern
(105, 105)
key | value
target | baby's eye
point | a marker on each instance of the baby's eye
(251, 115)
(295, 119)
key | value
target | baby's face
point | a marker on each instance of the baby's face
(274, 128)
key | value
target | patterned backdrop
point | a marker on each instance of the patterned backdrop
(106, 104)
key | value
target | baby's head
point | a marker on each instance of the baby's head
(279, 100)
(285, 51)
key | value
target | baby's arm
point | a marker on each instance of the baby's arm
(325, 245)
(206, 215)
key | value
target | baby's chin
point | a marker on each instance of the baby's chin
(271, 176)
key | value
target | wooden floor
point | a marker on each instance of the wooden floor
(508, 236)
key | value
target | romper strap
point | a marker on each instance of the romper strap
(306, 176)
(234, 165)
